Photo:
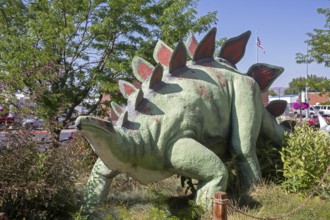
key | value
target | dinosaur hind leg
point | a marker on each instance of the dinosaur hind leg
(190, 158)
(246, 121)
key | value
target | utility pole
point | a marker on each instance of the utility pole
(307, 97)
(279, 93)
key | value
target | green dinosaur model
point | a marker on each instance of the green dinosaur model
(185, 119)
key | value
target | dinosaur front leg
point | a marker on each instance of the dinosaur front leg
(98, 185)
(190, 158)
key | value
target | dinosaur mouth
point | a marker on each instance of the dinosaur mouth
(92, 123)
(97, 133)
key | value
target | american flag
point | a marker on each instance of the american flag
(259, 44)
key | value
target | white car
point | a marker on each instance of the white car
(311, 110)
(33, 123)
(324, 108)
(37, 123)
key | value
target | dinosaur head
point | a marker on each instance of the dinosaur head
(104, 139)
(98, 132)
(91, 126)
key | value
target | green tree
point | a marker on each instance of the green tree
(272, 93)
(318, 42)
(218, 45)
(289, 91)
(315, 84)
(60, 53)
(296, 86)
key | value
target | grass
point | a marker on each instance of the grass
(130, 200)
(267, 200)
(167, 200)
(272, 202)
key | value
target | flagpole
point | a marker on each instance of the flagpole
(256, 46)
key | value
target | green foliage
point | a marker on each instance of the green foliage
(298, 84)
(325, 103)
(318, 51)
(41, 184)
(130, 200)
(270, 201)
(269, 159)
(289, 91)
(315, 84)
(319, 43)
(305, 157)
(5, 110)
(218, 45)
(265, 200)
(60, 53)
(272, 93)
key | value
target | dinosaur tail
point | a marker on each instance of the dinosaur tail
(270, 127)
(323, 124)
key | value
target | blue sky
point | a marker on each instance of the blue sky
(281, 25)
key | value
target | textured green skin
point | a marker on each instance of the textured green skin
(186, 125)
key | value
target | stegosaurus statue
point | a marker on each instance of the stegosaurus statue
(185, 118)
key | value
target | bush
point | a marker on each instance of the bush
(305, 156)
(269, 158)
(41, 184)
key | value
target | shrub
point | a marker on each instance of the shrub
(305, 156)
(269, 158)
(40, 184)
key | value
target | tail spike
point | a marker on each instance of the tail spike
(117, 109)
(191, 44)
(179, 58)
(126, 88)
(162, 53)
(234, 48)
(156, 76)
(205, 49)
(264, 74)
(277, 107)
(324, 126)
(142, 69)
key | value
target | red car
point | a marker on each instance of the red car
(315, 121)
(7, 119)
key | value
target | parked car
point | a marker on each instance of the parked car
(40, 138)
(33, 123)
(324, 108)
(7, 119)
(312, 112)
(315, 121)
